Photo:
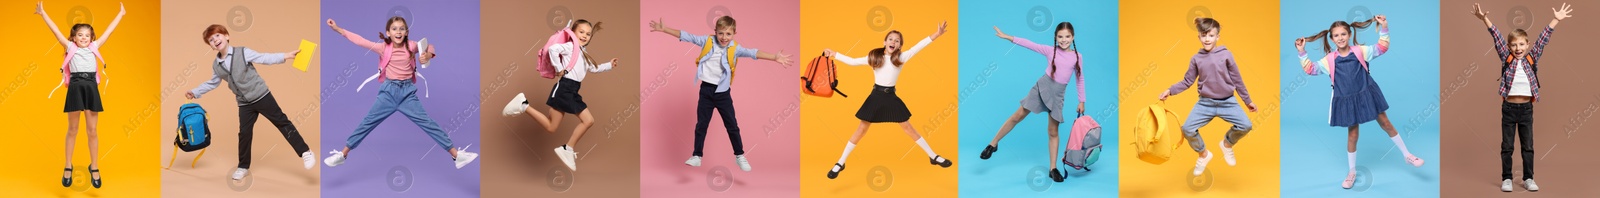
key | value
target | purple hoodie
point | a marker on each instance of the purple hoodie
(1217, 73)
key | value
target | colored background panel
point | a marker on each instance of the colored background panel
(1405, 74)
(996, 74)
(128, 126)
(397, 158)
(1159, 38)
(1563, 130)
(763, 93)
(275, 170)
(520, 160)
(926, 84)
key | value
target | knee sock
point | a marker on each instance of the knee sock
(1400, 143)
(847, 147)
(1352, 161)
(924, 143)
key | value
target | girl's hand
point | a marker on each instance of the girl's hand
(335, 26)
(1383, 21)
(658, 25)
(1080, 108)
(1564, 12)
(1000, 34)
(1477, 11)
(39, 10)
(941, 30)
(121, 10)
(614, 62)
(427, 57)
(1164, 95)
(1300, 44)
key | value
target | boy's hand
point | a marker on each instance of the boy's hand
(1251, 106)
(1477, 11)
(188, 95)
(1564, 13)
(658, 25)
(290, 57)
(783, 58)
(1164, 95)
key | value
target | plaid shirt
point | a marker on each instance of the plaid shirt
(1528, 64)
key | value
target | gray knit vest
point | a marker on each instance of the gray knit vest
(246, 85)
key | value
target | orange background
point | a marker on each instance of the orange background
(1158, 39)
(927, 84)
(34, 124)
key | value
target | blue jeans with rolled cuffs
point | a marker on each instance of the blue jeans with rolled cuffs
(1208, 108)
(398, 95)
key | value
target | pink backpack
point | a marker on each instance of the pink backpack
(546, 69)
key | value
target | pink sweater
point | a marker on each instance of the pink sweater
(1066, 63)
(400, 67)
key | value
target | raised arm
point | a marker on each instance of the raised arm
(1306, 64)
(122, 10)
(1373, 51)
(52, 24)
(1544, 37)
(355, 38)
(659, 25)
(906, 56)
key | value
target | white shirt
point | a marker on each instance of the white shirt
(83, 60)
(888, 73)
(1520, 86)
(711, 70)
(582, 68)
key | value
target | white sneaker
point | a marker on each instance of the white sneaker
(744, 164)
(1227, 153)
(693, 161)
(515, 106)
(335, 158)
(1200, 165)
(568, 156)
(309, 158)
(238, 173)
(1505, 185)
(463, 157)
(1530, 185)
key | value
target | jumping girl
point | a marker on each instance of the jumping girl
(82, 74)
(883, 105)
(398, 92)
(1356, 96)
(1519, 89)
(1047, 93)
(564, 99)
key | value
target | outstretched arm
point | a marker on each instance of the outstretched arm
(847, 60)
(659, 25)
(1002, 35)
(355, 38)
(779, 57)
(1544, 37)
(1499, 40)
(52, 24)
(122, 10)
(906, 56)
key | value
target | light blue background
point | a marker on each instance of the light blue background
(1314, 160)
(988, 100)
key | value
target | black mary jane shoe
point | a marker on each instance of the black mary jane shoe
(835, 173)
(988, 151)
(1055, 174)
(66, 181)
(935, 160)
(92, 177)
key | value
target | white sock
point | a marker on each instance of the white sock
(924, 143)
(1401, 144)
(1352, 161)
(847, 148)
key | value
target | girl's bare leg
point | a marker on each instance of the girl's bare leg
(72, 137)
(1010, 122)
(1355, 134)
(549, 121)
(94, 141)
(585, 120)
(860, 131)
(1055, 139)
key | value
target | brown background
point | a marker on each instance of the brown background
(273, 27)
(609, 152)
(1563, 132)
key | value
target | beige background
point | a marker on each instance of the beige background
(1470, 110)
(273, 27)
(513, 30)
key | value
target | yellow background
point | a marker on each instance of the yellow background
(1160, 34)
(34, 124)
(927, 84)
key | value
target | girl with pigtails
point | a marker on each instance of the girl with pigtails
(1356, 96)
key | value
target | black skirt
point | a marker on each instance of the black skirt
(83, 93)
(883, 106)
(564, 97)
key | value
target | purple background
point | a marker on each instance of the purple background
(397, 142)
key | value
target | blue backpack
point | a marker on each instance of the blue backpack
(193, 132)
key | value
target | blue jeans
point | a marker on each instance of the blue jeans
(398, 95)
(1208, 108)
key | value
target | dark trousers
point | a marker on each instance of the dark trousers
(266, 107)
(723, 103)
(1516, 121)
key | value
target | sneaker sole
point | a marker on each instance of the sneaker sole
(566, 159)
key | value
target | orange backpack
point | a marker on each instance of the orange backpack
(819, 79)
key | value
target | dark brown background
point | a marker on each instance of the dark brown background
(1470, 103)
(520, 151)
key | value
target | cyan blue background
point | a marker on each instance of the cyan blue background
(986, 101)
(452, 26)
(1314, 160)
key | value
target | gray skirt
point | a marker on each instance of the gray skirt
(1046, 96)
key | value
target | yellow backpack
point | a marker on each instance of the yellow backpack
(733, 61)
(1153, 137)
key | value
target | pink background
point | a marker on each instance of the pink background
(765, 96)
